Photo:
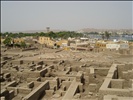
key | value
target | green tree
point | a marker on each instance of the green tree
(7, 41)
(107, 35)
(23, 44)
(103, 36)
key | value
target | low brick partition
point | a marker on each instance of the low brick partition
(36, 93)
(23, 90)
(44, 71)
(49, 92)
(30, 85)
(5, 94)
(114, 97)
(79, 76)
(92, 76)
(11, 94)
(117, 83)
(15, 89)
(92, 87)
(11, 84)
(29, 49)
(114, 86)
(38, 67)
(66, 84)
(101, 71)
(33, 79)
(72, 90)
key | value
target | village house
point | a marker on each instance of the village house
(117, 46)
(46, 41)
(17, 40)
(101, 44)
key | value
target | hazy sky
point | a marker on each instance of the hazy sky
(68, 15)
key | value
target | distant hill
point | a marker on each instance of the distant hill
(103, 30)
(34, 31)
(129, 31)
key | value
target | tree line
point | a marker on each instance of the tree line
(51, 34)
(9, 37)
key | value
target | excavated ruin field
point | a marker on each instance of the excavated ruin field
(51, 74)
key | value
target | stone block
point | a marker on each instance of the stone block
(30, 85)
(66, 83)
(7, 75)
(53, 88)
(63, 87)
(11, 84)
(125, 75)
(49, 92)
(11, 94)
(39, 67)
(24, 90)
(92, 87)
(4, 93)
(80, 87)
(2, 98)
(63, 93)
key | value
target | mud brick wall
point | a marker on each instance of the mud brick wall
(15, 89)
(101, 71)
(17, 62)
(30, 85)
(11, 94)
(44, 71)
(53, 83)
(92, 87)
(92, 76)
(72, 90)
(80, 87)
(36, 93)
(79, 76)
(4, 93)
(38, 67)
(66, 84)
(120, 69)
(117, 83)
(23, 90)
(32, 79)
(36, 84)
(27, 49)
(30, 74)
(127, 74)
(49, 92)
(11, 84)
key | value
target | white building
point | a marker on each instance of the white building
(117, 46)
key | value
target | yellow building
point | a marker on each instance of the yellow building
(17, 40)
(130, 43)
(101, 44)
(62, 43)
(46, 40)
(66, 48)
(1, 40)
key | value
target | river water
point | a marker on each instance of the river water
(120, 37)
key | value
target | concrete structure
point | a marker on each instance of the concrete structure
(117, 46)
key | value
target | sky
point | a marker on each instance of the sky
(65, 15)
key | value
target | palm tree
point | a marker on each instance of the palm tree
(103, 36)
(107, 35)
